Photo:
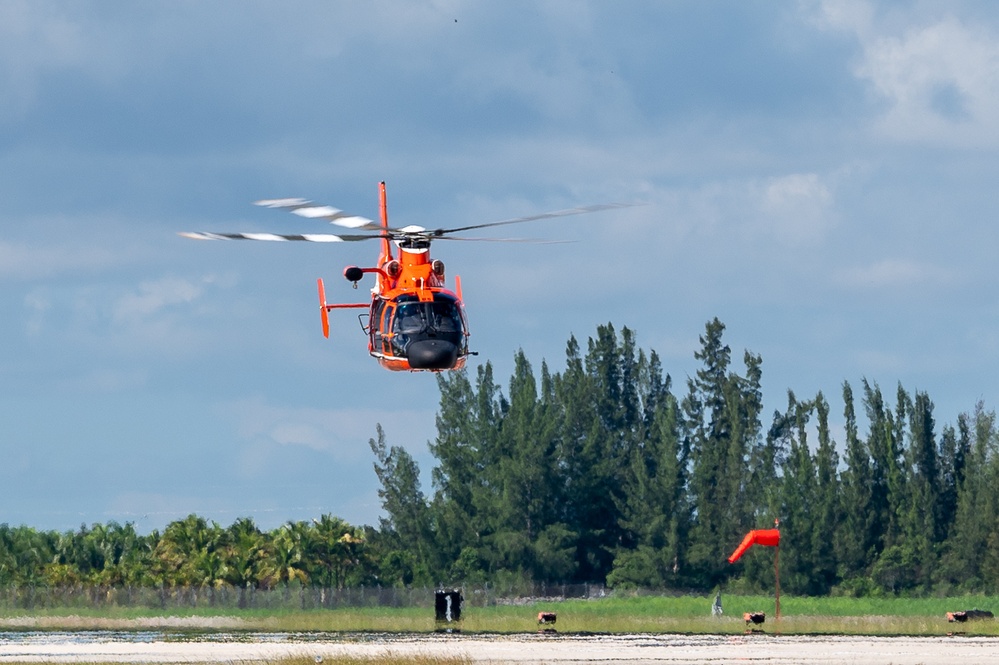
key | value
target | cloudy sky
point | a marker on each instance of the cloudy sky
(821, 176)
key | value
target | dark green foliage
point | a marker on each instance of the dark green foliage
(723, 431)
(969, 552)
(856, 533)
(599, 473)
(602, 474)
(828, 507)
(190, 553)
(408, 524)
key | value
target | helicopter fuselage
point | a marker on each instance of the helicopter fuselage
(414, 322)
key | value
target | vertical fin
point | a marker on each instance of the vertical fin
(383, 212)
(386, 254)
(323, 312)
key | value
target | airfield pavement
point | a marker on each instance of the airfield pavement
(113, 646)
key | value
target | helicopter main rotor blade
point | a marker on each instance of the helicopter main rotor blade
(276, 237)
(527, 241)
(546, 215)
(309, 210)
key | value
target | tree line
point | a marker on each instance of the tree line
(193, 552)
(602, 472)
(605, 473)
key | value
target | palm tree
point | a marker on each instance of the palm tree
(189, 554)
(336, 549)
(246, 550)
(286, 561)
(24, 554)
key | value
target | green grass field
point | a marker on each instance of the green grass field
(617, 614)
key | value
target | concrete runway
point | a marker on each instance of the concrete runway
(155, 646)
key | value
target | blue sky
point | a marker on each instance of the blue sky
(821, 176)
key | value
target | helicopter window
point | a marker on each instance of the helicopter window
(416, 321)
(410, 318)
(386, 315)
(374, 321)
(384, 329)
(446, 318)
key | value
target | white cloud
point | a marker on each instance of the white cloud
(171, 315)
(37, 38)
(38, 303)
(153, 296)
(796, 207)
(792, 209)
(893, 272)
(166, 316)
(22, 261)
(853, 15)
(105, 380)
(309, 435)
(880, 362)
(724, 230)
(938, 79)
(941, 81)
(342, 433)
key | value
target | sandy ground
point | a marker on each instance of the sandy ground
(108, 646)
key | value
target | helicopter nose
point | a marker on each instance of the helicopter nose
(432, 354)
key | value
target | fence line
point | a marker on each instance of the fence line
(293, 597)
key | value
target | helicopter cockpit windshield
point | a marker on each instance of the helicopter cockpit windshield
(429, 334)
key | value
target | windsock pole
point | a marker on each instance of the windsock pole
(777, 570)
(777, 578)
(768, 538)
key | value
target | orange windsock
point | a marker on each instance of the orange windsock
(768, 537)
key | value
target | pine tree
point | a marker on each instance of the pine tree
(573, 415)
(704, 410)
(797, 509)
(892, 568)
(607, 447)
(922, 527)
(458, 471)
(887, 480)
(655, 512)
(464, 510)
(856, 534)
(408, 521)
(955, 446)
(828, 512)
(721, 411)
(977, 512)
(525, 480)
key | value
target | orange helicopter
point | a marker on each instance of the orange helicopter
(414, 322)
